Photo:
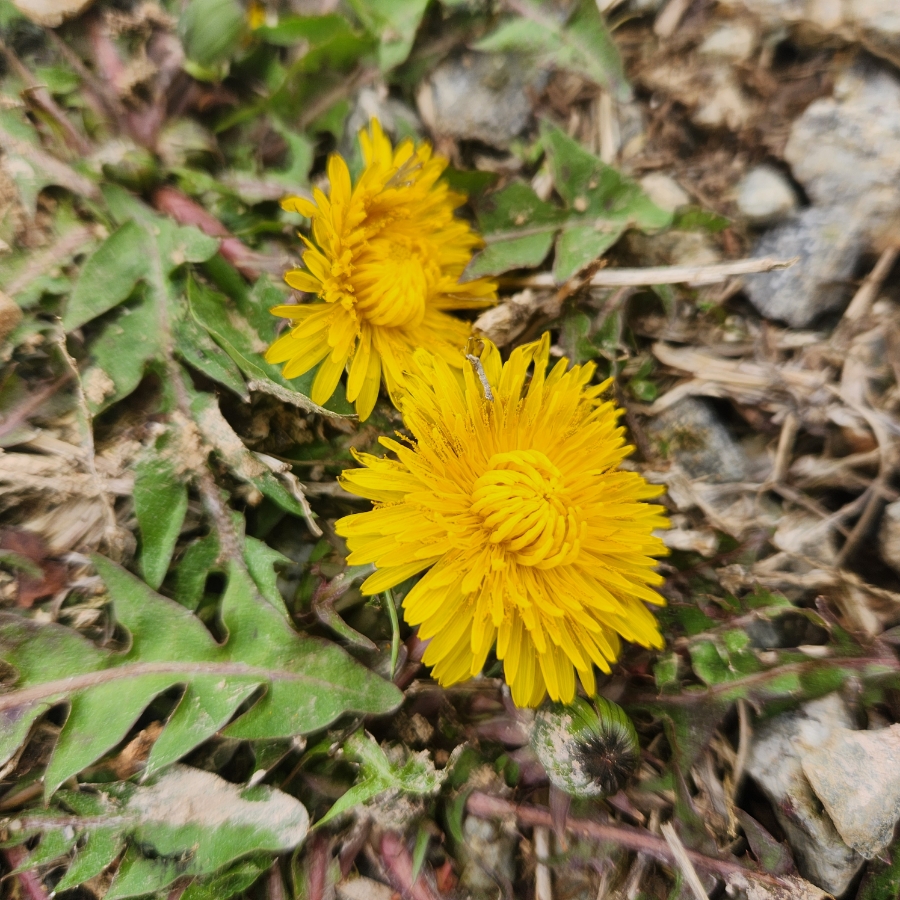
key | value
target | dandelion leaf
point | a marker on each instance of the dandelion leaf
(307, 683)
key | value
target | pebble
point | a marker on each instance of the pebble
(664, 191)
(856, 775)
(693, 435)
(775, 763)
(480, 96)
(828, 242)
(734, 40)
(765, 196)
(845, 149)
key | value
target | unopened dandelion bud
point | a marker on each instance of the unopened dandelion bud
(586, 750)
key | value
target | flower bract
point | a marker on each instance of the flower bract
(533, 538)
(384, 264)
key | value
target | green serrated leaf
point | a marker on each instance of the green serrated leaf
(198, 561)
(395, 23)
(53, 845)
(100, 848)
(229, 882)
(234, 334)
(519, 227)
(160, 505)
(120, 353)
(417, 775)
(582, 45)
(109, 276)
(211, 30)
(581, 245)
(309, 683)
(198, 350)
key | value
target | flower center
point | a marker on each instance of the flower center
(392, 284)
(523, 505)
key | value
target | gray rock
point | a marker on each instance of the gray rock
(775, 763)
(488, 856)
(845, 149)
(765, 196)
(889, 535)
(480, 96)
(829, 243)
(692, 434)
(873, 23)
(856, 775)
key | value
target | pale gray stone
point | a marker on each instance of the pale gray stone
(765, 196)
(664, 191)
(829, 243)
(856, 775)
(775, 763)
(845, 149)
(480, 96)
(691, 434)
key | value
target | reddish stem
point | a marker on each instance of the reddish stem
(485, 806)
(399, 866)
(185, 211)
(31, 883)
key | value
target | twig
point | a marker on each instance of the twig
(666, 274)
(42, 99)
(29, 880)
(90, 454)
(543, 888)
(484, 806)
(684, 861)
(868, 290)
(789, 428)
(745, 734)
(669, 19)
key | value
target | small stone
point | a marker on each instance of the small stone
(845, 149)
(774, 762)
(487, 848)
(828, 242)
(691, 434)
(664, 191)
(889, 535)
(733, 40)
(856, 775)
(480, 96)
(765, 196)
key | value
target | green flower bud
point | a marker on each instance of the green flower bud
(587, 750)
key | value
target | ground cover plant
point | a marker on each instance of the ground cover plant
(448, 448)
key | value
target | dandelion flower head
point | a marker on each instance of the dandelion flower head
(533, 538)
(384, 264)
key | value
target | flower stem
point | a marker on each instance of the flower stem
(395, 629)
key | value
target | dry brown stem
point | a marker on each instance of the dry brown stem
(485, 806)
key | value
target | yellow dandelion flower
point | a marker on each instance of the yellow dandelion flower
(384, 263)
(532, 537)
